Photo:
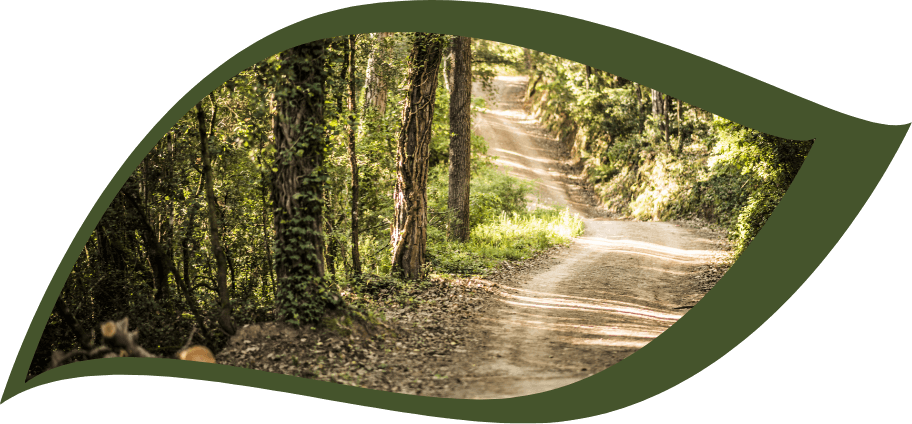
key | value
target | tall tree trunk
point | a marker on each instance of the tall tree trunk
(303, 294)
(460, 139)
(353, 160)
(658, 110)
(639, 96)
(680, 127)
(266, 224)
(375, 90)
(221, 276)
(665, 126)
(527, 56)
(449, 70)
(409, 232)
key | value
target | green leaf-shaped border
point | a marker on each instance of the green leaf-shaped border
(816, 211)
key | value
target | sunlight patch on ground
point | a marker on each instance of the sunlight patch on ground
(598, 330)
(623, 335)
(515, 165)
(532, 302)
(509, 113)
(587, 299)
(645, 248)
(509, 152)
(667, 271)
(635, 344)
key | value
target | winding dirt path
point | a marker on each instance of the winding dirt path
(580, 309)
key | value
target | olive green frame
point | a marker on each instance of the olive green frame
(818, 208)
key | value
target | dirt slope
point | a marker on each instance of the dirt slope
(585, 307)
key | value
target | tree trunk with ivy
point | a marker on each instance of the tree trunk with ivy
(303, 292)
(460, 139)
(409, 230)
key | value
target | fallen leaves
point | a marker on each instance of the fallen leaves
(409, 354)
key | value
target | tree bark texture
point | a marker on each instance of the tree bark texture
(353, 159)
(221, 276)
(449, 69)
(303, 294)
(460, 139)
(409, 232)
(375, 89)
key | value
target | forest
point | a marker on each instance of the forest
(341, 189)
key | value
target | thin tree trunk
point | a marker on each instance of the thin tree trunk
(409, 232)
(83, 337)
(449, 70)
(267, 212)
(665, 126)
(353, 160)
(658, 111)
(680, 127)
(153, 244)
(224, 318)
(460, 139)
(639, 96)
(375, 90)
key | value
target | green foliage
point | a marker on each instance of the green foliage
(120, 272)
(491, 58)
(709, 167)
(502, 226)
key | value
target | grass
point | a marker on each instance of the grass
(510, 236)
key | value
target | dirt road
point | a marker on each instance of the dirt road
(532, 326)
(583, 308)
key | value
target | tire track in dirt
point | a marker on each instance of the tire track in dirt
(581, 309)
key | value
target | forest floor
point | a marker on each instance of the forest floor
(530, 326)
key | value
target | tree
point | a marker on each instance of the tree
(303, 293)
(658, 109)
(665, 126)
(680, 127)
(460, 139)
(409, 232)
(353, 159)
(375, 91)
(449, 68)
(224, 318)
(639, 117)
